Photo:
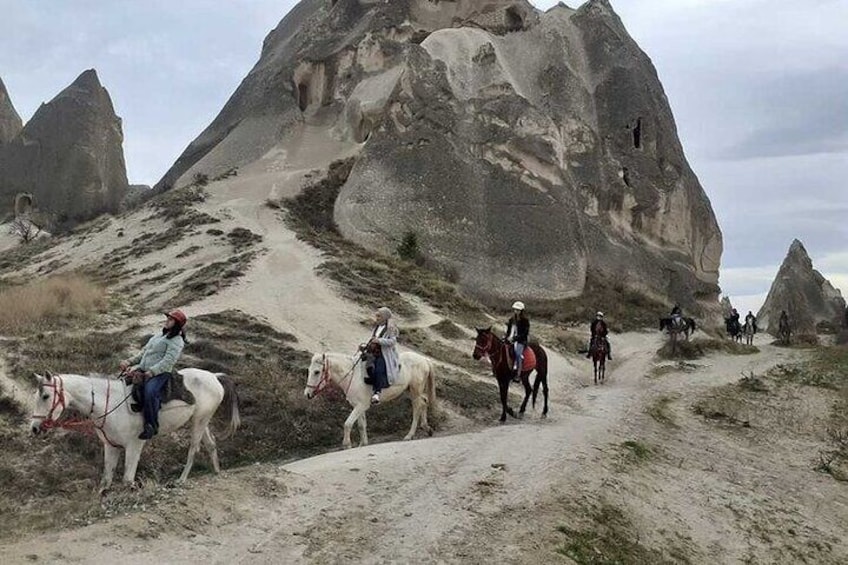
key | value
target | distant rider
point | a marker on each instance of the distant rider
(517, 333)
(599, 330)
(750, 318)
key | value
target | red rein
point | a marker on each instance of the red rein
(84, 425)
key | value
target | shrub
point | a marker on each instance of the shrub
(409, 250)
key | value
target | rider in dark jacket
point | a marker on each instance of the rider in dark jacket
(517, 333)
(753, 319)
(599, 329)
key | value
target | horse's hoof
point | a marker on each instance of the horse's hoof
(430, 432)
(347, 445)
(520, 416)
(544, 415)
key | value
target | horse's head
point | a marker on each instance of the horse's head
(664, 322)
(318, 369)
(49, 401)
(484, 343)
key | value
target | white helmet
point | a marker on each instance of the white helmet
(518, 305)
(599, 315)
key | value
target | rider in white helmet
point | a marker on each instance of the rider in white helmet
(517, 333)
(599, 329)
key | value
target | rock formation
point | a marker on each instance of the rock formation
(530, 151)
(811, 302)
(69, 157)
(726, 307)
(10, 121)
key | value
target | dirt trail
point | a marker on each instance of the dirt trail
(444, 499)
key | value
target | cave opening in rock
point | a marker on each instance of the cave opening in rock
(637, 134)
(23, 204)
(303, 96)
(514, 19)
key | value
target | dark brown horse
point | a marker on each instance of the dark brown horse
(598, 351)
(500, 354)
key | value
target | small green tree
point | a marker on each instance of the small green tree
(408, 249)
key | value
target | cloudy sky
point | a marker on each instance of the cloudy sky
(759, 89)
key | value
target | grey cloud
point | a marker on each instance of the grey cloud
(799, 114)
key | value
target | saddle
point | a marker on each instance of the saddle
(174, 390)
(529, 359)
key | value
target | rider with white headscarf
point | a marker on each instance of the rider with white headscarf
(383, 347)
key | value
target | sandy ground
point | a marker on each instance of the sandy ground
(494, 495)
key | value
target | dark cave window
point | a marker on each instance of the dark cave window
(637, 134)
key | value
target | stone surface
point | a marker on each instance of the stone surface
(811, 302)
(10, 121)
(530, 151)
(69, 156)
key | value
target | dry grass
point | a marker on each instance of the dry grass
(50, 303)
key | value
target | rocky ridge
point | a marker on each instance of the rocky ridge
(69, 157)
(811, 302)
(530, 152)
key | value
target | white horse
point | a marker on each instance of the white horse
(748, 330)
(416, 377)
(105, 404)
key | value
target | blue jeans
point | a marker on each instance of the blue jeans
(381, 374)
(519, 356)
(153, 399)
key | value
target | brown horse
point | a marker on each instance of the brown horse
(500, 354)
(598, 351)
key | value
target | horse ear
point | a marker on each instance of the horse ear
(488, 329)
(38, 378)
(48, 376)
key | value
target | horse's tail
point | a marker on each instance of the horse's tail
(230, 403)
(541, 371)
(431, 388)
(692, 323)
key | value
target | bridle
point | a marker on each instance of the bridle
(325, 379)
(58, 387)
(86, 424)
(488, 350)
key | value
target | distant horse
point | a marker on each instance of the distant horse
(416, 378)
(501, 355)
(734, 329)
(784, 331)
(749, 332)
(104, 401)
(675, 326)
(598, 351)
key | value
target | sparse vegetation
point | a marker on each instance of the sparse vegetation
(659, 410)
(448, 330)
(49, 304)
(609, 538)
(625, 309)
(369, 278)
(420, 340)
(636, 452)
(699, 347)
(211, 278)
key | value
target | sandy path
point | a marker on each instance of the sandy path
(430, 500)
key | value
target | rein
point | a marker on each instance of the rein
(85, 425)
(325, 379)
(490, 351)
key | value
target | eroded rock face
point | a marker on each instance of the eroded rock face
(10, 121)
(528, 151)
(810, 301)
(69, 156)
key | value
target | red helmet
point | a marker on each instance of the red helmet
(178, 316)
